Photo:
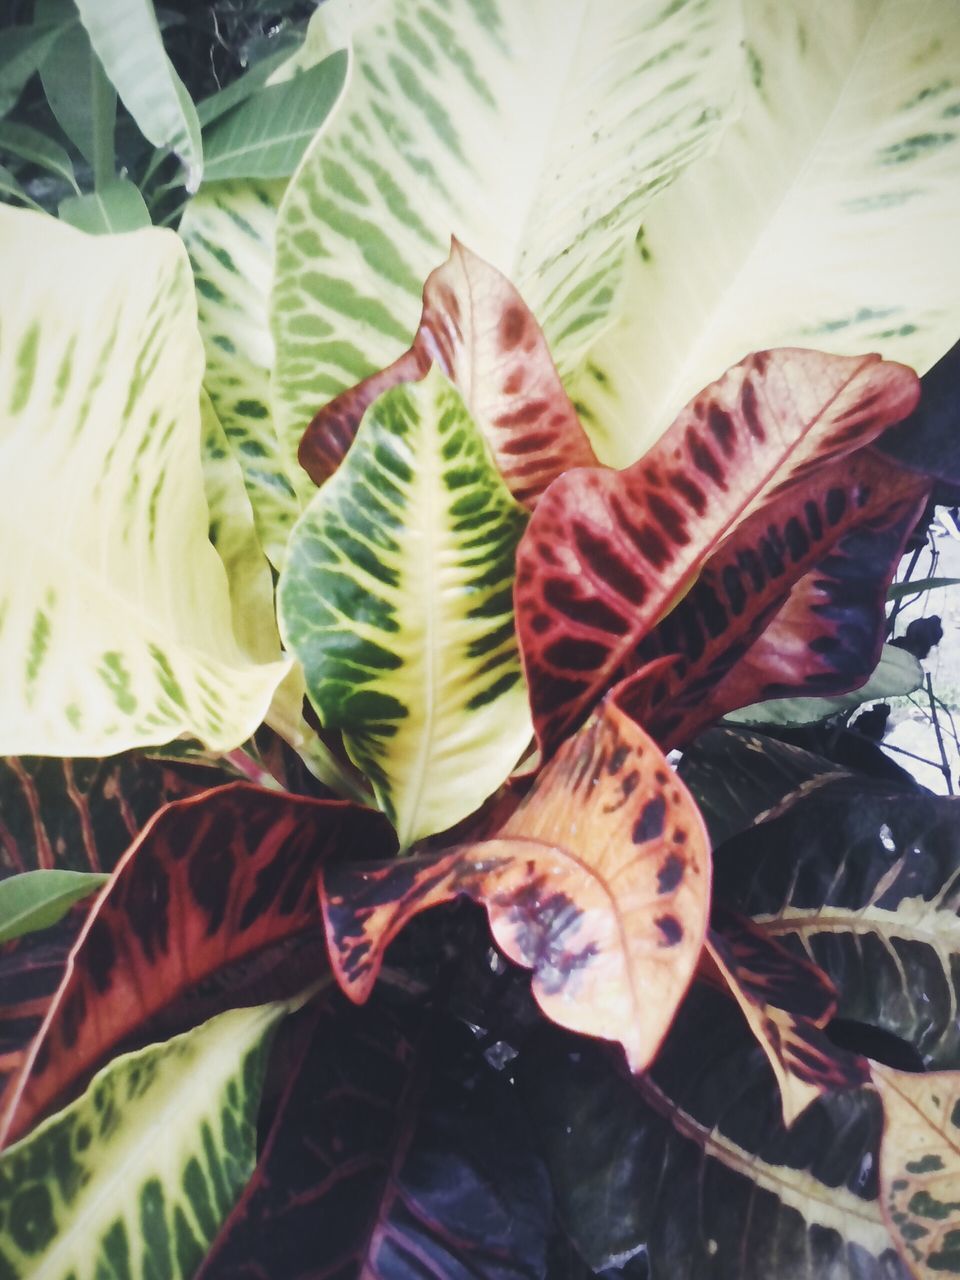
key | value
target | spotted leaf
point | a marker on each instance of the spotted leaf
(115, 621)
(599, 883)
(210, 883)
(535, 135)
(608, 553)
(920, 1167)
(134, 1178)
(396, 599)
(825, 217)
(478, 329)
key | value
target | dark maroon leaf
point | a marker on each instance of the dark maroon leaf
(929, 439)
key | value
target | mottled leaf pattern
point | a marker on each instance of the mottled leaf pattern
(607, 553)
(229, 232)
(396, 599)
(824, 218)
(599, 883)
(213, 880)
(535, 135)
(115, 629)
(134, 1178)
(920, 1167)
(479, 330)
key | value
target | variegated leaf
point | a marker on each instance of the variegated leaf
(133, 1179)
(920, 1167)
(115, 622)
(479, 330)
(825, 218)
(536, 135)
(229, 232)
(599, 883)
(396, 598)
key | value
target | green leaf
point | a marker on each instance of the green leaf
(134, 1178)
(244, 87)
(396, 598)
(115, 626)
(267, 136)
(536, 140)
(38, 899)
(126, 38)
(918, 587)
(12, 189)
(825, 218)
(22, 50)
(114, 207)
(30, 144)
(897, 673)
(228, 229)
(77, 89)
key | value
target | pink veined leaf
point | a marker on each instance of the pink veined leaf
(483, 336)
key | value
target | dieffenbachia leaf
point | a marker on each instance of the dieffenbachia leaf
(691, 1161)
(228, 229)
(535, 135)
(825, 217)
(396, 598)
(211, 882)
(393, 1140)
(127, 40)
(115, 625)
(608, 553)
(37, 899)
(479, 330)
(134, 1178)
(599, 883)
(861, 879)
(920, 1167)
(787, 1002)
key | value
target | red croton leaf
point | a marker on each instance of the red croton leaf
(792, 603)
(481, 333)
(607, 554)
(787, 1002)
(599, 883)
(210, 882)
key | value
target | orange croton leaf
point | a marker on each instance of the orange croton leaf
(483, 336)
(599, 883)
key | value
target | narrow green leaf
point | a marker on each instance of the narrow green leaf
(12, 189)
(267, 136)
(38, 899)
(22, 50)
(396, 597)
(244, 87)
(114, 207)
(77, 89)
(918, 587)
(126, 38)
(30, 144)
(134, 1178)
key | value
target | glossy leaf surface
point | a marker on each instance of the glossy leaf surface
(118, 623)
(599, 883)
(211, 882)
(396, 599)
(535, 136)
(478, 329)
(692, 1160)
(133, 1179)
(824, 217)
(920, 1167)
(396, 1149)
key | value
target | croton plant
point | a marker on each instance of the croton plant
(382, 539)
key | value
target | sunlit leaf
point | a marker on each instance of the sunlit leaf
(115, 206)
(37, 899)
(599, 883)
(824, 218)
(134, 1178)
(211, 882)
(535, 135)
(116, 619)
(396, 598)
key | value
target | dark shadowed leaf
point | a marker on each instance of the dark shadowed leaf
(927, 440)
(599, 883)
(396, 1151)
(212, 881)
(476, 326)
(38, 899)
(22, 51)
(692, 1160)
